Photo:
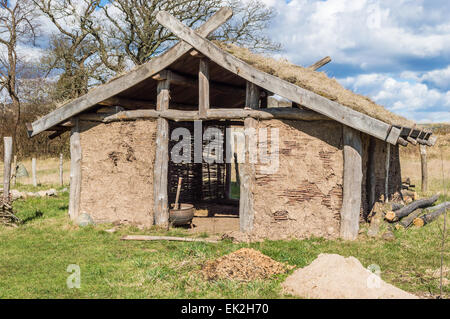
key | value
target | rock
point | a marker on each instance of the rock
(376, 220)
(84, 220)
(389, 236)
(41, 193)
(64, 190)
(31, 194)
(52, 192)
(15, 194)
(112, 230)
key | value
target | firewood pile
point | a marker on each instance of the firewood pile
(7, 216)
(417, 212)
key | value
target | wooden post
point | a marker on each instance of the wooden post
(423, 161)
(14, 171)
(160, 196)
(203, 87)
(371, 173)
(247, 169)
(61, 179)
(7, 166)
(387, 169)
(33, 171)
(351, 202)
(75, 170)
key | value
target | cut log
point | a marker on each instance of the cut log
(433, 208)
(406, 193)
(408, 220)
(428, 218)
(396, 206)
(168, 238)
(408, 209)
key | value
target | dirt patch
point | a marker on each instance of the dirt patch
(332, 276)
(245, 264)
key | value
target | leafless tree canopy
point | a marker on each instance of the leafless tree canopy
(134, 31)
(17, 25)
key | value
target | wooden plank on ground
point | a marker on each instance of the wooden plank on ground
(168, 238)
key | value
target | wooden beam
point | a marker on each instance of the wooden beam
(311, 100)
(8, 150)
(128, 80)
(320, 63)
(203, 87)
(212, 114)
(247, 169)
(179, 79)
(387, 171)
(402, 141)
(252, 96)
(160, 196)
(75, 170)
(351, 202)
(424, 168)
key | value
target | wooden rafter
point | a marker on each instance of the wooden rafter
(311, 100)
(126, 81)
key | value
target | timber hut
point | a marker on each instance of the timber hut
(337, 151)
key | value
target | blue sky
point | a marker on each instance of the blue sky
(396, 52)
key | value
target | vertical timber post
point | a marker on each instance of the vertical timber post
(33, 171)
(7, 166)
(161, 205)
(424, 167)
(351, 202)
(247, 169)
(61, 178)
(387, 169)
(371, 172)
(75, 170)
(203, 87)
(14, 171)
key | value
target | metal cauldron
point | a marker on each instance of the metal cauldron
(182, 216)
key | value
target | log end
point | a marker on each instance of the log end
(390, 216)
(418, 222)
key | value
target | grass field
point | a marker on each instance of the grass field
(34, 257)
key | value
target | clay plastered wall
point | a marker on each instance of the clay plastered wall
(308, 183)
(117, 171)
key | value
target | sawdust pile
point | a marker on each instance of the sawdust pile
(245, 264)
(332, 276)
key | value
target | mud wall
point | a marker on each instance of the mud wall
(308, 183)
(117, 171)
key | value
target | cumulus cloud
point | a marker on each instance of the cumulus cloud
(411, 99)
(396, 52)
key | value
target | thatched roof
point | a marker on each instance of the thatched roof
(317, 82)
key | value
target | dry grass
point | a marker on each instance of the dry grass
(47, 171)
(438, 158)
(317, 82)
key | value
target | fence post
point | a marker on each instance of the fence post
(33, 171)
(14, 171)
(7, 169)
(61, 179)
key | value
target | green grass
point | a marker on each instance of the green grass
(35, 256)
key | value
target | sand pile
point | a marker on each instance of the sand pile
(245, 264)
(333, 276)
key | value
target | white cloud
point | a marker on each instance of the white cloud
(364, 33)
(413, 100)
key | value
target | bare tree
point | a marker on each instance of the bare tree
(74, 50)
(134, 31)
(18, 24)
